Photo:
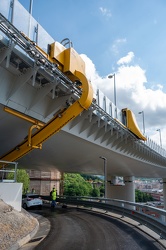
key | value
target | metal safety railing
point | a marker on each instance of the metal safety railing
(8, 167)
(151, 217)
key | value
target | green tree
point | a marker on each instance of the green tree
(102, 190)
(95, 192)
(75, 185)
(142, 197)
(21, 177)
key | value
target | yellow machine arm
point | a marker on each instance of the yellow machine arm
(57, 123)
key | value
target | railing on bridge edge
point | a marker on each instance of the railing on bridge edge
(151, 217)
(146, 144)
(7, 169)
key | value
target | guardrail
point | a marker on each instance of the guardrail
(151, 217)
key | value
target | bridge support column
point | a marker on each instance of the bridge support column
(164, 192)
(126, 192)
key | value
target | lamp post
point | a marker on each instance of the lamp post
(30, 6)
(159, 130)
(113, 76)
(30, 14)
(143, 120)
(105, 175)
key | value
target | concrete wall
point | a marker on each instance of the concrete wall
(11, 193)
(43, 181)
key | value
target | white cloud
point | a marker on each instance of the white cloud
(133, 79)
(105, 12)
(90, 68)
(126, 59)
(132, 93)
(90, 71)
(160, 86)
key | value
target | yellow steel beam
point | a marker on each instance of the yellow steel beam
(55, 125)
(44, 131)
(23, 116)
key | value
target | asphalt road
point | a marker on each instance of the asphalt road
(74, 229)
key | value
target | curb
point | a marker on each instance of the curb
(37, 237)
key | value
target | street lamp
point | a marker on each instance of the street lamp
(113, 76)
(159, 130)
(30, 14)
(30, 6)
(143, 120)
(105, 175)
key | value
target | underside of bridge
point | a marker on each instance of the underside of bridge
(68, 151)
(35, 91)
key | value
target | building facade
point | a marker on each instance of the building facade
(42, 182)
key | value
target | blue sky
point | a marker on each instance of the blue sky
(106, 30)
(127, 38)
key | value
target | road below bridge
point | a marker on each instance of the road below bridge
(75, 229)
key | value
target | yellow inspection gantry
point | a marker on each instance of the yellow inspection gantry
(67, 64)
(131, 124)
(73, 66)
